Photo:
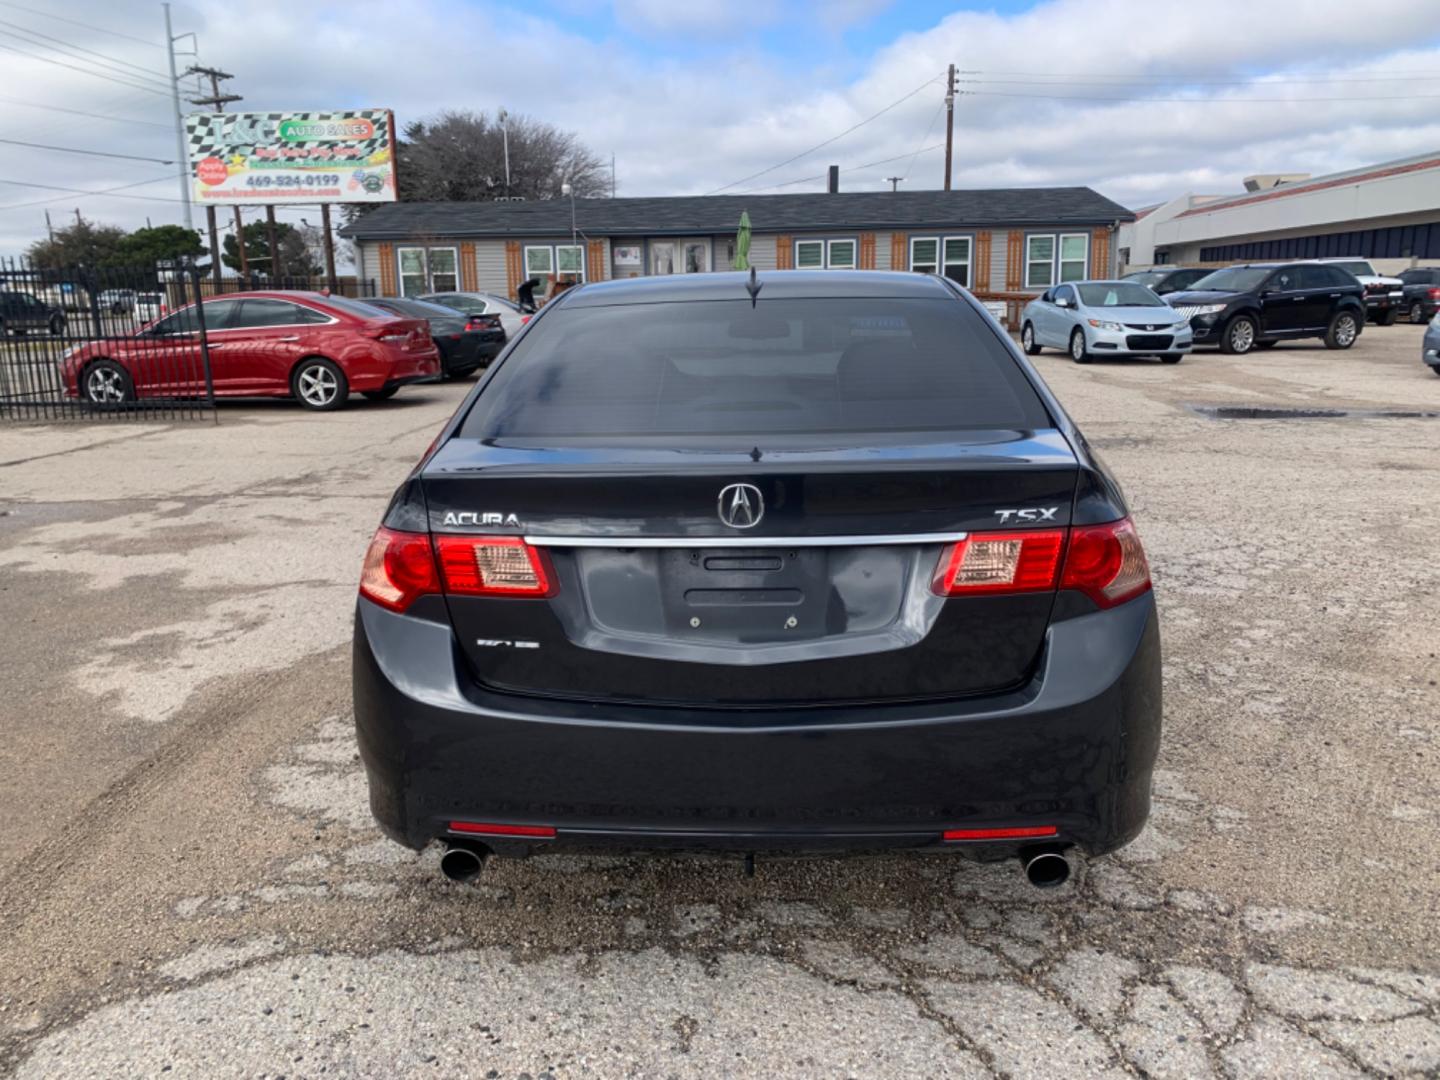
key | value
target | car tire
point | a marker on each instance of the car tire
(1027, 340)
(1239, 336)
(381, 395)
(104, 384)
(1078, 352)
(57, 325)
(1344, 328)
(1417, 313)
(1172, 357)
(319, 384)
(1388, 317)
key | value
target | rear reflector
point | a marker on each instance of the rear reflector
(399, 567)
(995, 562)
(1106, 563)
(492, 566)
(1023, 832)
(482, 828)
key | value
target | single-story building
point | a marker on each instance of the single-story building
(1388, 213)
(1004, 244)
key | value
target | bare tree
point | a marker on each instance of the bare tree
(460, 156)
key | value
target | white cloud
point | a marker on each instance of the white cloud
(680, 124)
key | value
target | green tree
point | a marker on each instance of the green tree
(296, 257)
(146, 247)
(81, 244)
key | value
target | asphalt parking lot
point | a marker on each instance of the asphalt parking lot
(190, 884)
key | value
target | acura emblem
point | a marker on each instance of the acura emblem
(741, 506)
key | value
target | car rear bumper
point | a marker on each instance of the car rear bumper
(1074, 748)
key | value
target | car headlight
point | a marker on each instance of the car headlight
(1209, 309)
(1106, 324)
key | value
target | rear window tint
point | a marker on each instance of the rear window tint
(727, 368)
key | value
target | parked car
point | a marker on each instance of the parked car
(466, 342)
(117, 301)
(1430, 348)
(313, 347)
(482, 303)
(822, 566)
(1421, 298)
(1166, 279)
(21, 312)
(1104, 318)
(1384, 296)
(1256, 305)
(149, 306)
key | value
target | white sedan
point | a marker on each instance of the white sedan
(1104, 318)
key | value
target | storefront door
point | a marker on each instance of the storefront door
(679, 256)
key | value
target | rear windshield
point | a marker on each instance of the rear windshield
(1359, 268)
(727, 368)
(1119, 294)
(1146, 277)
(415, 309)
(357, 308)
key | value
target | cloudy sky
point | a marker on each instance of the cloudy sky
(1139, 100)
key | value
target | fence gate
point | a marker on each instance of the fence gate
(102, 343)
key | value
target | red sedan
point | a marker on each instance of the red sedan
(310, 346)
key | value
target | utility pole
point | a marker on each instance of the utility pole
(894, 182)
(612, 174)
(181, 158)
(949, 122)
(270, 239)
(49, 229)
(218, 101)
(329, 247)
(78, 219)
(505, 138)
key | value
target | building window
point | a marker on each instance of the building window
(570, 261)
(1074, 257)
(809, 254)
(949, 255)
(546, 261)
(840, 254)
(428, 270)
(539, 262)
(1039, 262)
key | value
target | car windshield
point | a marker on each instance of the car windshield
(1232, 279)
(1146, 277)
(1118, 294)
(357, 308)
(1357, 268)
(805, 367)
(415, 309)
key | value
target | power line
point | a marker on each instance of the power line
(827, 142)
(81, 112)
(83, 193)
(85, 71)
(1198, 101)
(1054, 77)
(62, 46)
(92, 153)
(76, 22)
(844, 169)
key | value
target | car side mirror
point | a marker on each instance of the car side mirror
(1062, 302)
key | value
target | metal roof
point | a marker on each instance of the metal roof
(699, 215)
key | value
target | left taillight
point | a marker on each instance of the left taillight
(399, 568)
(493, 566)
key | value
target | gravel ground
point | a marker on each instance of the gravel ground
(190, 884)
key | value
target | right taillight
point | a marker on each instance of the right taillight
(1106, 563)
(492, 566)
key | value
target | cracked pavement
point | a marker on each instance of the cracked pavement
(190, 884)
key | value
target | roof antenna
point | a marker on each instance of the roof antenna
(753, 287)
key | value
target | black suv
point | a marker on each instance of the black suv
(1167, 279)
(1255, 305)
(1422, 293)
(19, 311)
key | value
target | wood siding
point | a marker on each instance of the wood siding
(866, 260)
(514, 267)
(468, 280)
(784, 252)
(1014, 259)
(899, 252)
(980, 261)
(595, 261)
(387, 270)
(1100, 253)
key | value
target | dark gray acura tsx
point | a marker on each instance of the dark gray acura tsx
(798, 561)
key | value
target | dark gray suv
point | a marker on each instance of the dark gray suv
(20, 311)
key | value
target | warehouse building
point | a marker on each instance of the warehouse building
(1388, 213)
(1004, 245)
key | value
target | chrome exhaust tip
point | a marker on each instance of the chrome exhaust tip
(1045, 868)
(462, 863)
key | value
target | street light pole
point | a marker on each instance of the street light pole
(566, 189)
(182, 159)
(505, 138)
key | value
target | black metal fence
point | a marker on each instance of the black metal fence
(80, 342)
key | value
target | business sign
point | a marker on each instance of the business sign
(292, 157)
